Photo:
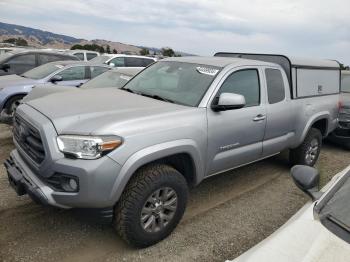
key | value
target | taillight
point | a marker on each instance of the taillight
(340, 104)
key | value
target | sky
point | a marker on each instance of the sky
(304, 28)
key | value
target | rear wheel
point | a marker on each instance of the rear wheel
(308, 152)
(151, 206)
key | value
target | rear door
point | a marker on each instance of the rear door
(235, 136)
(280, 113)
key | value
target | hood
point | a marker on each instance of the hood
(45, 90)
(86, 111)
(15, 80)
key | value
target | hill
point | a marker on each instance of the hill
(40, 38)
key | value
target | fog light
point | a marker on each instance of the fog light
(73, 184)
(69, 184)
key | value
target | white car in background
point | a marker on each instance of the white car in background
(83, 55)
(121, 60)
(320, 231)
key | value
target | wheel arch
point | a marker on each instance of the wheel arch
(8, 98)
(319, 121)
(183, 155)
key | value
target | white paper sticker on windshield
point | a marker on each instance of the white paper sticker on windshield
(127, 78)
(207, 70)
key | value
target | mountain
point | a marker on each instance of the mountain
(40, 38)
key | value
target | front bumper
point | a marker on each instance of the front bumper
(27, 183)
(96, 180)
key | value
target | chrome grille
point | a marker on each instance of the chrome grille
(29, 139)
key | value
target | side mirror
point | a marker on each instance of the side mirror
(5, 67)
(56, 78)
(229, 101)
(111, 64)
(307, 179)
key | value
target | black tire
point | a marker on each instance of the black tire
(300, 155)
(147, 181)
(12, 103)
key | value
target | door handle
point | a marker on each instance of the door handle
(259, 117)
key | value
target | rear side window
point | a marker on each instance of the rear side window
(245, 83)
(28, 59)
(80, 56)
(97, 70)
(275, 85)
(133, 62)
(90, 56)
(44, 59)
(73, 73)
(146, 62)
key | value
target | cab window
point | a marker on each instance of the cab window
(245, 83)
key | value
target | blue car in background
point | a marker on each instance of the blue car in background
(66, 73)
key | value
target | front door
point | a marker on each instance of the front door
(235, 136)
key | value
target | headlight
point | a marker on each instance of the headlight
(87, 147)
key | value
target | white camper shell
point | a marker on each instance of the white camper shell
(307, 77)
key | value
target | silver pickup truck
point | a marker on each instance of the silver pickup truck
(132, 153)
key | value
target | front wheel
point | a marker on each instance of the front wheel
(151, 206)
(308, 152)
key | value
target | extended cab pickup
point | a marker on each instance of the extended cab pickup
(133, 153)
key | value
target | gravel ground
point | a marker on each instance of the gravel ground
(226, 215)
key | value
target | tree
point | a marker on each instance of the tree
(108, 49)
(167, 51)
(74, 47)
(115, 51)
(16, 41)
(93, 47)
(144, 51)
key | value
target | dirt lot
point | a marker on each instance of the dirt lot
(226, 215)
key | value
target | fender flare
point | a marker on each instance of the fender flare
(152, 153)
(2, 105)
(319, 116)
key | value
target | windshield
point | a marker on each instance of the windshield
(345, 83)
(42, 71)
(108, 79)
(334, 209)
(179, 82)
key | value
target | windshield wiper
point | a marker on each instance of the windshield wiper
(127, 89)
(157, 97)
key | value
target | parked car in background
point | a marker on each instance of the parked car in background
(102, 58)
(115, 78)
(66, 73)
(21, 60)
(131, 153)
(341, 135)
(318, 232)
(83, 55)
(121, 60)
